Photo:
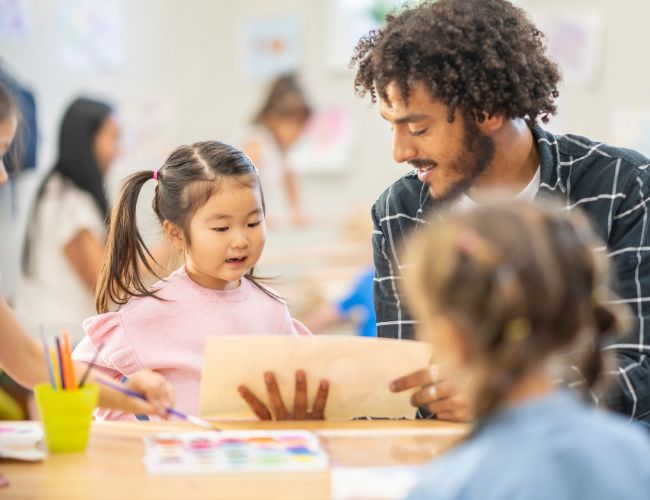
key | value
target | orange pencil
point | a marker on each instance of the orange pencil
(70, 376)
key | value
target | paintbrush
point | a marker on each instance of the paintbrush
(190, 418)
(48, 361)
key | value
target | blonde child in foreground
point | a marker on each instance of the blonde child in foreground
(22, 357)
(502, 291)
(209, 202)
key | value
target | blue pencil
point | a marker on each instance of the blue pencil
(59, 355)
(48, 361)
(194, 420)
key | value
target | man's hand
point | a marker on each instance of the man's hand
(278, 410)
(441, 396)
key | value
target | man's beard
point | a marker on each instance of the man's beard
(475, 156)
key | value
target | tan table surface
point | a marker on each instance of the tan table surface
(112, 465)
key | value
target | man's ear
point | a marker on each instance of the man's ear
(174, 234)
(490, 124)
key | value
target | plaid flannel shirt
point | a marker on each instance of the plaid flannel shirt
(611, 185)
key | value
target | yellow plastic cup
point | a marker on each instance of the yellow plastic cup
(66, 416)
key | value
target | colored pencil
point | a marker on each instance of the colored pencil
(57, 382)
(48, 361)
(194, 420)
(89, 367)
(59, 354)
(71, 377)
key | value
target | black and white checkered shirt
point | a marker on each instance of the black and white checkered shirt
(611, 185)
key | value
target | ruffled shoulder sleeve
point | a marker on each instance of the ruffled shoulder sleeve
(298, 328)
(117, 354)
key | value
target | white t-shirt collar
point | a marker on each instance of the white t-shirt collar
(527, 194)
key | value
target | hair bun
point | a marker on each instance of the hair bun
(605, 320)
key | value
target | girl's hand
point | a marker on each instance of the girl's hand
(159, 393)
(278, 410)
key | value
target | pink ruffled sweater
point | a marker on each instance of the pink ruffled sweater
(169, 336)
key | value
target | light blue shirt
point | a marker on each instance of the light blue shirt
(552, 448)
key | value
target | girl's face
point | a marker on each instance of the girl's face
(227, 236)
(8, 128)
(288, 131)
(106, 144)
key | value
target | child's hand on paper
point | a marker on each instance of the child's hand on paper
(441, 395)
(278, 410)
(159, 393)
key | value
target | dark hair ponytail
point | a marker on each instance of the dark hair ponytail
(120, 276)
(76, 160)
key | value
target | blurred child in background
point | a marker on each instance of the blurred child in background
(66, 236)
(276, 127)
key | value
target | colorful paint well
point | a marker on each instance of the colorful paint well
(233, 451)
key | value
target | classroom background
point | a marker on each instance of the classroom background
(191, 70)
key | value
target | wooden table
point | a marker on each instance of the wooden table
(112, 466)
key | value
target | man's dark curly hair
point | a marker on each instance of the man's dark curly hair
(477, 56)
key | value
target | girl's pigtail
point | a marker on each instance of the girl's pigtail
(606, 323)
(126, 252)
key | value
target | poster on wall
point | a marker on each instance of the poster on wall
(149, 132)
(346, 22)
(14, 20)
(271, 46)
(325, 147)
(90, 35)
(575, 40)
(147, 125)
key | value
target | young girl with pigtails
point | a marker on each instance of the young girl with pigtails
(209, 202)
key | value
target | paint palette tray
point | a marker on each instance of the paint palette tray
(233, 451)
(22, 441)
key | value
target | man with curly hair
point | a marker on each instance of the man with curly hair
(464, 84)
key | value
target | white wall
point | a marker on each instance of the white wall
(182, 52)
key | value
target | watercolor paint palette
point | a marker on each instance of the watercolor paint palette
(233, 451)
(22, 441)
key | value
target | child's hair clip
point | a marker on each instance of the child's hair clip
(472, 244)
(468, 241)
(599, 294)
(155, 174)
(517, 329)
